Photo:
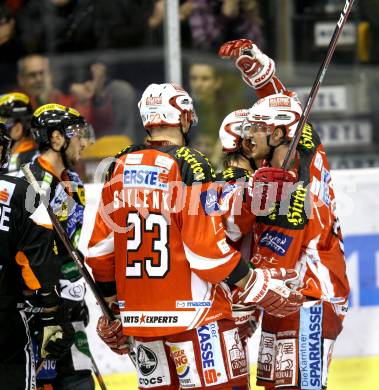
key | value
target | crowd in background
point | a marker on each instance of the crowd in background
(77, 26)
(68, 52)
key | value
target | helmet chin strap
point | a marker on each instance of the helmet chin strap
(62, 152)
(185, 135)
(272, 147)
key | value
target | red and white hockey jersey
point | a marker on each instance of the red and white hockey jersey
(154, 237)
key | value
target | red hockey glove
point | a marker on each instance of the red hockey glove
(247, 318)
(268, 288)
(111, 333)
(233, 49)
(256, 67)
(266, 177)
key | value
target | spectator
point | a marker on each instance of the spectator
(10, 49)
(113, 103)
(155, 23)
(204, 23)
(241, 18)
(212, 103)
(212, 22)
(36, 80)
(58, 26)
(122, 23)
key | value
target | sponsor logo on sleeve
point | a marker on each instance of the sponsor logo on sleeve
(209, 201)
(197, 167)
(145, 176)
(223, 246)
(310, 358)
(325, 191)
(306, 137)
(276, 241)
(212, 361)
(228, 190)
(296, 215)
(318, 161)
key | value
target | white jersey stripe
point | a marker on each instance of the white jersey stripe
(103, 247)
(201, 263)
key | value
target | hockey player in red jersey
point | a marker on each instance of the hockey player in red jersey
(298, 228)
(156, 250)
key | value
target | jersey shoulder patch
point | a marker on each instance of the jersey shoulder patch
(194, 166)
(122, 152)
(233, 173)
(309, 139)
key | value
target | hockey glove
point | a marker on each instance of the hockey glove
(256, 68)
(57, 340)
(268, 289)
(270, 183)
(111, 333)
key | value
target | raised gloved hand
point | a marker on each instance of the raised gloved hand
(110, 331)
(268, 289)
(269, 181)
(256, 68)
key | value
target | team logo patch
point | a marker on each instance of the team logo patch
(209, 202)
(276, 241)
(145, 176)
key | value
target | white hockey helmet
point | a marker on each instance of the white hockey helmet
(162, 105)
(230, 132)
(278, 110)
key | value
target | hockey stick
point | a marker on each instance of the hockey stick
(74, 254)
(316, 85)
(98, 375)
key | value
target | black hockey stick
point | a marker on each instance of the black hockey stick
(316, 85)
(74, 254)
